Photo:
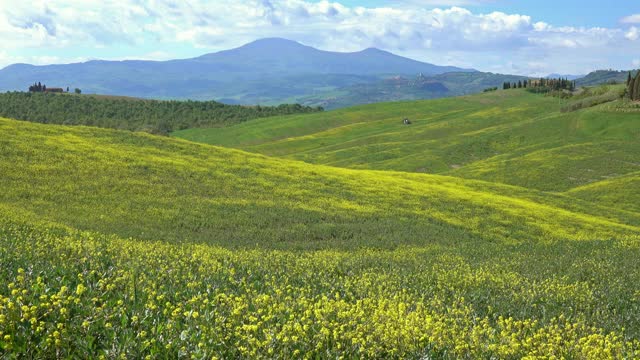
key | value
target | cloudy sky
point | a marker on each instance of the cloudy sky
(529, 37)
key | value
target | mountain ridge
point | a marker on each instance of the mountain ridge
(266, 71)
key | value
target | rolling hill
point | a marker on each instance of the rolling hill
(129, 244)
(403, 88)
(604, 77)
(511, 137)
(147, 187)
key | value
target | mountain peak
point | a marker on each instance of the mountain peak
(373, 50)
(274, 40)
(273, 43)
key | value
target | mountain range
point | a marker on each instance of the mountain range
(265, 71)
(268, 72)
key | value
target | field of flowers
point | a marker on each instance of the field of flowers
(122, 245)
(67, 293)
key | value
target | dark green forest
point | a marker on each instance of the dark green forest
(158, 117)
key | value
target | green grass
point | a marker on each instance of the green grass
(523, 240)
(115, 243)
(511, 137)
(148, 187)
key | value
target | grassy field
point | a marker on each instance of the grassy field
(496, 226)
(121, 244)
(511, 137)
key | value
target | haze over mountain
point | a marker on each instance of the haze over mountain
(265, 71)
(565, 76)
(268, 72)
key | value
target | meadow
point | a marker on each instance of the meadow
(511, 137)
(116, 244)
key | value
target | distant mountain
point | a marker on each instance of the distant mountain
(266, 71)
(564, 76)
(604, 77)
(281, 56)
(399, 88)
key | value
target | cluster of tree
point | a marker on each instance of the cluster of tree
(491, 89)
(543, 85)
(159, 117)
(633, 86)
(38, 87)
(515, 85)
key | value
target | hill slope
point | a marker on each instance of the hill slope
(147, 187)
(511, 137)
(412, 265)
(399, 88)
(604, 77)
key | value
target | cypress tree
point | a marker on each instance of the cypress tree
(636, 87)
(629, 78)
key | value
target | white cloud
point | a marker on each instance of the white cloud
(453, 35)
(631, 19)
(636, 63)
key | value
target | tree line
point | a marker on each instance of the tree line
(515, 85)
(633, 86)
(153, 116)
(541, 85)
(39, 87)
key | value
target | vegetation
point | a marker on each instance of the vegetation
(519, 85)
(120, 244)
(543, 86)
(159, 117)
(633, 87)
(590, 97)
(604, 77)
(77, 294)
(405, 88)
(510, 137)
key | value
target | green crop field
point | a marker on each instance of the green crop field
(511, 137)
(495, 226)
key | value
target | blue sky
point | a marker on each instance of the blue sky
(587, 13)
(508, 36)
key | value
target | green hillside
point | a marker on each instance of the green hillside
(121, 244)
(604, 77)
(404, 88)
(149, 187)
(512, 137)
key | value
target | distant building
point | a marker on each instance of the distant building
(54, 90)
